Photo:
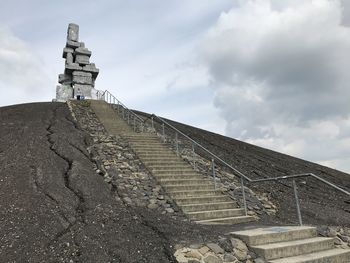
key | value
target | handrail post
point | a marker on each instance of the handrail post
(134, 124)
(142, 126)
(123, 113)
(129, 117)
(213, 172)
(243, 196)
(118, 108)
(176, 144)
(193, 157)
(297, 202)
(163, 132)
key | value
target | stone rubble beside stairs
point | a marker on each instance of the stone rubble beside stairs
(275, 244)
(121, 169)
(195, 195)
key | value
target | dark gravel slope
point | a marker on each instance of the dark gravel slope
(320, 204)
(55, 208)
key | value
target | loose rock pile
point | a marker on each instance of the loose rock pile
(226, 249)
(79, 74)
(340, 234)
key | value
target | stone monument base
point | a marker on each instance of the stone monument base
(63, 93)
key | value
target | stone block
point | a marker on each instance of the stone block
(82, 51)
(71, 67)
(64, 79)
(92, 69)
(82, 90)
(82, 59)
(67, 50)
(64, 93)
(80, 77)
(69, 58)
(215, 248)
(72, 44)
(73, 32)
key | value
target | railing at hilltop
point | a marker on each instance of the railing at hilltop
(170, 134)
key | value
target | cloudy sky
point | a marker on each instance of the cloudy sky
(273, 73)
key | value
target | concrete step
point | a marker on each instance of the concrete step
(227, 220)
(337, 255)
(162, 169)
(140, 135)
(208, 206)
(143, 139)
(268, 235)
(293, 248)
(175, 176)
(215, 214)
(157, 155)
(184, 181)
(150, 148)
(197, 193)
(172, 157)
(173, 166)
(143, 143)
(143, 151)
(193, 187)
(183, 200)
(164, 162)
(177, 172)
(147, 145)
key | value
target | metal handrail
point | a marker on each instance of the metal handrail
(246, 177)
(240, 174)
(236, 171)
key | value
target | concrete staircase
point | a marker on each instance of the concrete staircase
(293, 245)
(191, 191)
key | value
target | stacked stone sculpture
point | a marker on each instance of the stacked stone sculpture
(79, 74)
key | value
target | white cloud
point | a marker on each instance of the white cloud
(22, 75)
(280, 73)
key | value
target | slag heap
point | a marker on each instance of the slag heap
(79, 74)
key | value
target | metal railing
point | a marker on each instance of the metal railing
(164, 131)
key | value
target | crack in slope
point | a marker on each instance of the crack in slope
(80, 209)
(40, 189)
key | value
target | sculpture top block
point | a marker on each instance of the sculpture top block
(79, 74)
(73, 32)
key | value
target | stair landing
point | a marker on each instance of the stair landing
(293, 244)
